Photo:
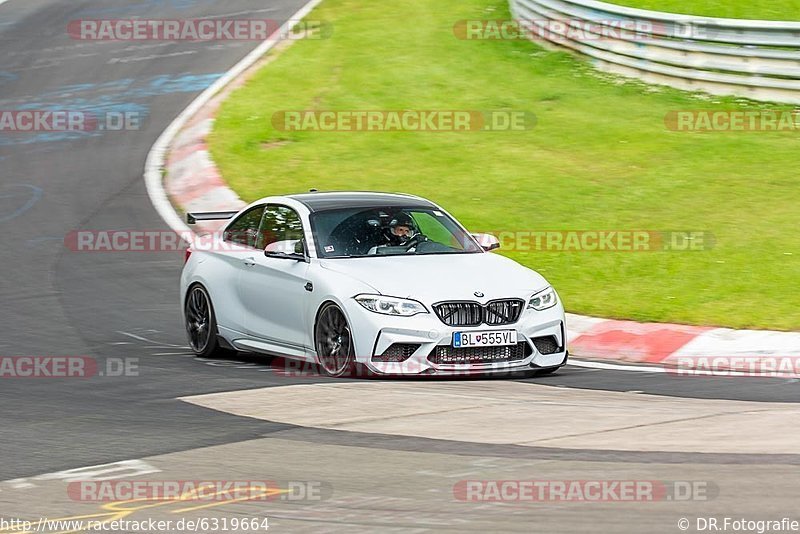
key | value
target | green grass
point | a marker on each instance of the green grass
(737, 9)
(600, 158)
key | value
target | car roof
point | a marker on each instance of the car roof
(329, 200)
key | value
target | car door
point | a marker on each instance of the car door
(273, 287)
(228, 254)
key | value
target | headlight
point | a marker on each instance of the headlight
(543, 300)
(390, 305)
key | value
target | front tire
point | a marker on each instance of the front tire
(333, 340)
(201, 324)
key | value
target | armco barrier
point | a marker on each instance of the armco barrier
(749, 58)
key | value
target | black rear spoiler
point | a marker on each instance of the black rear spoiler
(192, 218)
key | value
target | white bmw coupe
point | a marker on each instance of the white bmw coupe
(387, 283)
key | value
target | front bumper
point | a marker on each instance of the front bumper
(375, 333)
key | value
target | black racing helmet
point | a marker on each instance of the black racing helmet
(401, 219)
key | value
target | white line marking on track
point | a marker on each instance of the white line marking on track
(250, 12)
(131, 59)
(708, 373)
(157, 344)
(20, 483)
(616, 367)
(112, 471)
(155, 158)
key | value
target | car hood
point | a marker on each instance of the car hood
(434, 278)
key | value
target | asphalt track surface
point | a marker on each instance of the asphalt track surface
(125, 306)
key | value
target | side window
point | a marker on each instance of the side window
(281, 230)
(244, 230)
(435, 231)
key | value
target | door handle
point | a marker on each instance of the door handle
(249, 262)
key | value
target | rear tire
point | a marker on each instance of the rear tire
(333, 340)
(201, 325)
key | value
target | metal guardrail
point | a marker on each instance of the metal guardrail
(750, 58)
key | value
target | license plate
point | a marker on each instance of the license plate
(492, 338)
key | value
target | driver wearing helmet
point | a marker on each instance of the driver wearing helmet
(401, 229)
(399, 233)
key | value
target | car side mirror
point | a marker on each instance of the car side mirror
(487, 242)
(287, 250)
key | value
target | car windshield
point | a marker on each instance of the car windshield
(362, 232)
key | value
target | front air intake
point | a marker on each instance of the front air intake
(397, 352)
